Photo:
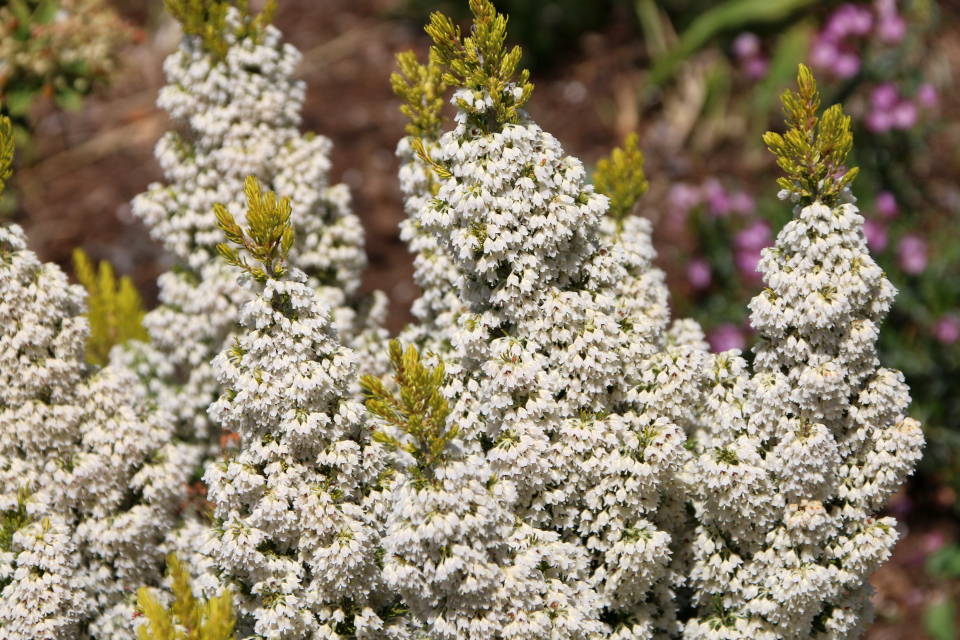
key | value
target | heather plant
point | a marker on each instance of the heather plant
(452, 549)
(298, 511)
(421, 88)
(882, 61)
(89, 477)
(233, 94)
(797, 458)
(550, 393)
(551, 457)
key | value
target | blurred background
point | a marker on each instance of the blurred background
(699, 80)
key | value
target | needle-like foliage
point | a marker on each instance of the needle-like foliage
(187, 618)
(419, 411)
(6, 150)
(12, 520)
(420, 88)
(813, 156)
(481, 64)
(621, 178)
(208, 20)
(115, 311)
(269, 237)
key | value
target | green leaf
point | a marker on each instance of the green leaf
(945, 563)
(420, 89)
(18, 101)
(813, 150)
(6, 151)
(940, 620)
(733, 15)
(269, 236)
(651, 22)
(46, 12)
(68, 99)
(790, 49)
(481, 63)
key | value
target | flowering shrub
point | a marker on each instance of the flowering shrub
(232, 90)
(882, 60)
(56, 49)
(89, 479)
(552, 458)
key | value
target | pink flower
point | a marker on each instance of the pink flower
(934, 541)
(746, 45)
(718, 202)
(698, 273)
(904, 115)
(683, 197)
(876, 233)
(756, 68)
(927, 96)
(849, 20)
(846, 65)
(879, 121)
(885, 97)
(912, 254)
(886, 205)
(947, 329)
(756, 236)
(748, 247)
(885, 7)
(742, 202)
(726, 337)
(823, 53)
(891, 28)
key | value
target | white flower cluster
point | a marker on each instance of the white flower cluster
(299, 510)
(42, 597)
(467, 570)
(553, 391)
(91, 463)
(435, 272)
(240, 117)
(798, 458)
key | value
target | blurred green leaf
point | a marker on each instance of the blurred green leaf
(46, 12)
(651, 22)
(18, 101)
(945, 563)
(789, 52)
(68, 99)
(940, 622)
(728, 16)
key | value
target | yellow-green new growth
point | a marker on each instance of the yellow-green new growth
(813, 156)
(114, 312)
(6, 151)
(187, 618)
(420, 410)
(269, 237)
(207, 19)
(12, 520)
(621, 178)
(420, 88)
(481, 64)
